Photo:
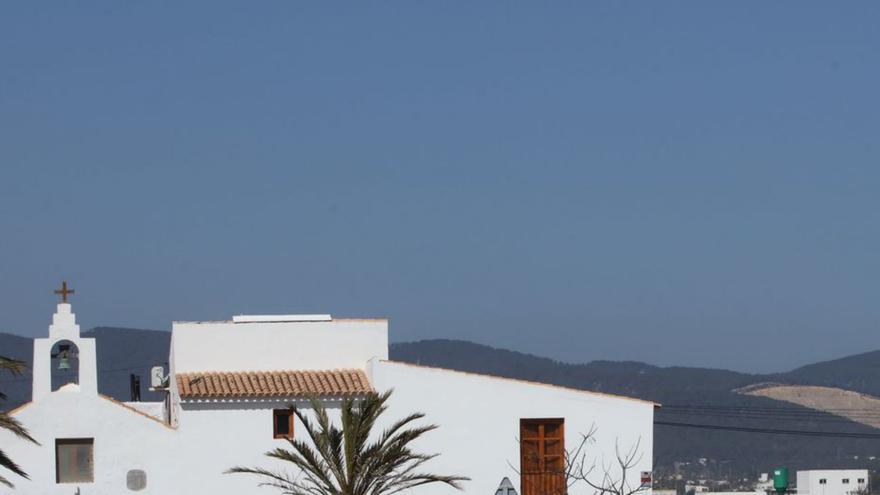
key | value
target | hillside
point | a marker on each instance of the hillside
(689, 395)
(860, 373)
(858, 407)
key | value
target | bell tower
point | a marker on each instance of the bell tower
(65, 332)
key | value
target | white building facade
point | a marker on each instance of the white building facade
(832, 482)
(228, 389)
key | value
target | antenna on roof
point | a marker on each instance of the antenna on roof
(157, 378)
(135, 382)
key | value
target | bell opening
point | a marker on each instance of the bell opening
(65, 364)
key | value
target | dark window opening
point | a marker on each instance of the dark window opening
(283, 423)
(74, 460)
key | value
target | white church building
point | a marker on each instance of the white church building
(228, 388)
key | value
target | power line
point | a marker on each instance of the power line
(771, 431)
(823, 415)
(792, 408)
(783, 412)
(814, 416)
(773, 422)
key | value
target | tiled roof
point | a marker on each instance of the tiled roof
(217, 384)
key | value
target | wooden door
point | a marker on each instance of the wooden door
(542, 456)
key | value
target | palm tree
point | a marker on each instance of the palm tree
(345, 461)
(9, 423)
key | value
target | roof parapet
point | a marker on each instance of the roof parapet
(279, 318)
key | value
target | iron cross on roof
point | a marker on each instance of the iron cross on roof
(64, 291)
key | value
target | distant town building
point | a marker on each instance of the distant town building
(764, 486)
(832, 482)
(696, 488)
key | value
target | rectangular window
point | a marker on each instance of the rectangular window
(283, 423)
(542, 456)
(861, 481)
(823, 481)
(74, 460)
(846, 481)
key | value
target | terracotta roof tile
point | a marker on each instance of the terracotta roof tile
(217, 384)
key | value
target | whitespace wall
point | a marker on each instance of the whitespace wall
(478, 418)
(124, 440)
(213, 437)
(324, 345)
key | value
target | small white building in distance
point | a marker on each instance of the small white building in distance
(229, 385)
(832, 482)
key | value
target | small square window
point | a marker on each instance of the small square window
(282, 420)
(846, 481)
(74, 460)
(823, 481)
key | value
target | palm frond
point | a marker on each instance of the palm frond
(13, 366)
(11, 424)
(347, 459)
(274, 479)
(14, 426)
(9, 464)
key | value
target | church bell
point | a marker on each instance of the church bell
(64, 357)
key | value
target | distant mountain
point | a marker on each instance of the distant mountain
(689, 395)
(626, 377)
(860, 373)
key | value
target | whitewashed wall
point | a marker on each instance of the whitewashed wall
(124, 440)
(227, 346)
(478, 418)
(222, 435)
(191, 459)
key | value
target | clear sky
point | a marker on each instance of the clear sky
(690, 183)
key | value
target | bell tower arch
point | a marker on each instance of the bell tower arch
(64, 331)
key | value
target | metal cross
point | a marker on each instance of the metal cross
(64, 291)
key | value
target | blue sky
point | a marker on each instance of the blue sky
(684, 183)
